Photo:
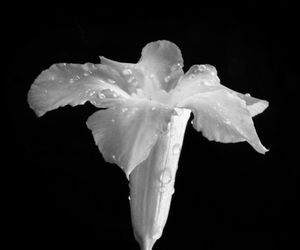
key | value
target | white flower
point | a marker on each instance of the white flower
(146, 107)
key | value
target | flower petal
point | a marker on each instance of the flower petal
(163, 60)
(75, 84)
(254, 105)
(223, 116)
(132, 78)
(126, 132)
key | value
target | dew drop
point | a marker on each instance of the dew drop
(127, 72)
(115, 95)
(173, 191)
(176, 149)
(111, 81)
(129, 198)
(91, 93)
(247, 94)
(176, 67)
(153, 108)
(202, 67)
(167, 78)
(113, 156)
(166, 176)
(113, 120)
(101, 96)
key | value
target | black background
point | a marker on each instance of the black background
(60, 191)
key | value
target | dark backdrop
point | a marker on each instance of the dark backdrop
(61, 192)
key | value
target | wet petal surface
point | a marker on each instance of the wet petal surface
(126, 133)
(74, 84)
(223, 116)
(163, 60)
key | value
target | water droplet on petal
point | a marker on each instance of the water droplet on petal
(91, 93)
(85, 73)
(111, 81)
(127, 72)
(101, 96)
(167, 78)
(176, 149)
(115, 95)
(153, 108)
(202, 67)
(166, 176)
(247, 94)
(113, 156)
(112, 120)
(173, 191)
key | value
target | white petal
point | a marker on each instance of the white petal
(74, 84)
(223, 116)
(126, 133)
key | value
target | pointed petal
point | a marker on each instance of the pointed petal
(126, 133)
(163, 60)
(254, 105)
(74, 84)
(223, 116)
